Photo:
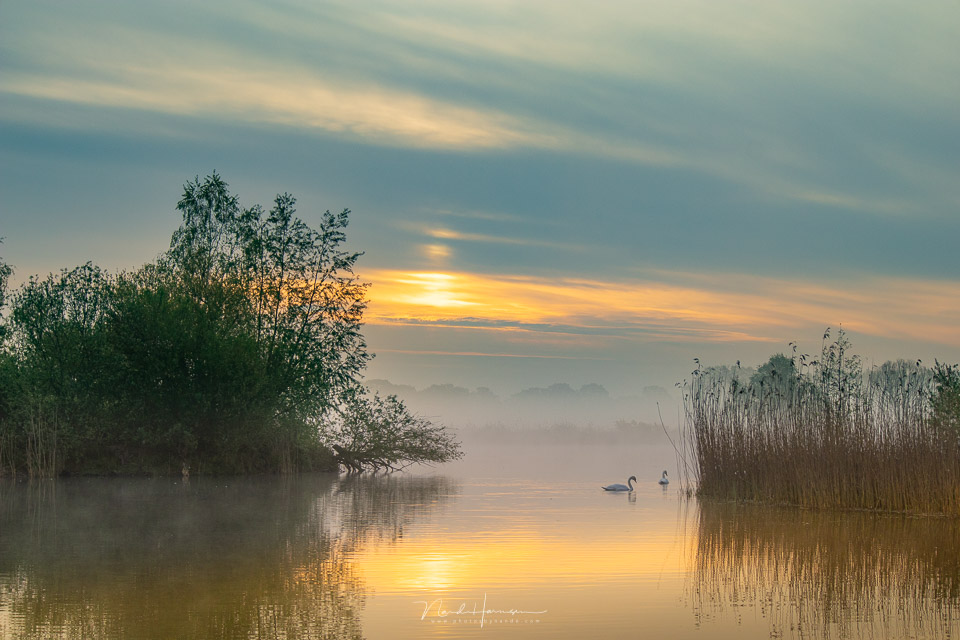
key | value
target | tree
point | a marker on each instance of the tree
(57, 325)
(234, 352)
(946, 397)
(902, 390)
(5, 272)
(840, 375)
(380, 433)
(292, 290)
(63, 367)
(8, 375)
(778, 375)
(191, 388)
(294, 285)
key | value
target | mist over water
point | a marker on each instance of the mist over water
(559, 404)
(516, 540)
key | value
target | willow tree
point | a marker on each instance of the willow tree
(946, 397)
(7, 371)
(239, 350)
(5, 272)
(292, 289)
(371, 432)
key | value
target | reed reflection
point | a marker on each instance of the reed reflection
(265, 557)
(828, 575)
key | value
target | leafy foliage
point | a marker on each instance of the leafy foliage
(946, 398)
(5, 272)
(380, 433)
(778, 377)
(229, 354)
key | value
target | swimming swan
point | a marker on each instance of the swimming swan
(664, 480)
(622, 487)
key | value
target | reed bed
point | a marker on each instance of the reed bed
(821, 433)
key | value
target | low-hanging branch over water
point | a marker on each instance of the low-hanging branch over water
(824, 433)
(238, 350)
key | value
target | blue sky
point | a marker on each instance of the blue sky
(545, 191)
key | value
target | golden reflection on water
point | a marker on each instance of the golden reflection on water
(418, 557)
(260, 558)
(656, 567)
(829, 574)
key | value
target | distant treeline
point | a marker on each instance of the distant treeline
(622, 432)
(822, 432)
(587, 406)
(238, 350)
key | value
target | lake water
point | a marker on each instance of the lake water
(515, 541)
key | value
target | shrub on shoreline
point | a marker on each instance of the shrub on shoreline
(239, 350)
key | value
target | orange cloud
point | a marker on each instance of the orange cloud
(713, 308)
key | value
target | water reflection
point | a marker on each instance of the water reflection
(152, 558)
(822, 574)
(328, 557)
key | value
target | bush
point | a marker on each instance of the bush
(946, 397)
(380, 433)
(224, 356)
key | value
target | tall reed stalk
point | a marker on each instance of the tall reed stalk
(822, 434)
(42, 427)
(7, 460)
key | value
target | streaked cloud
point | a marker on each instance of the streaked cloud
(481, 354)
(847, 201)
(436, 252)
(673, 306)
(490, 216)
(642, 182)
(449, 234)
(687, 86)
(384, 115)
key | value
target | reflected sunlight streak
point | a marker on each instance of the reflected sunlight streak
(513, 558)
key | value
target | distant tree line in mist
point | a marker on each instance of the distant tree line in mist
(586, 406)
(238, 350)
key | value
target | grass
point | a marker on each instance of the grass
(821, 433)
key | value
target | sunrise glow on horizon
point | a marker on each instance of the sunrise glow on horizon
(542, 194)
(748, 309)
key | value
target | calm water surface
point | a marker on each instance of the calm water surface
(513, 542)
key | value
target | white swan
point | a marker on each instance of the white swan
(622, 487)
(663, 479)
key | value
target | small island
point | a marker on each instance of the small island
(238, 350)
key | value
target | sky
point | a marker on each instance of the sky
(545, 191)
